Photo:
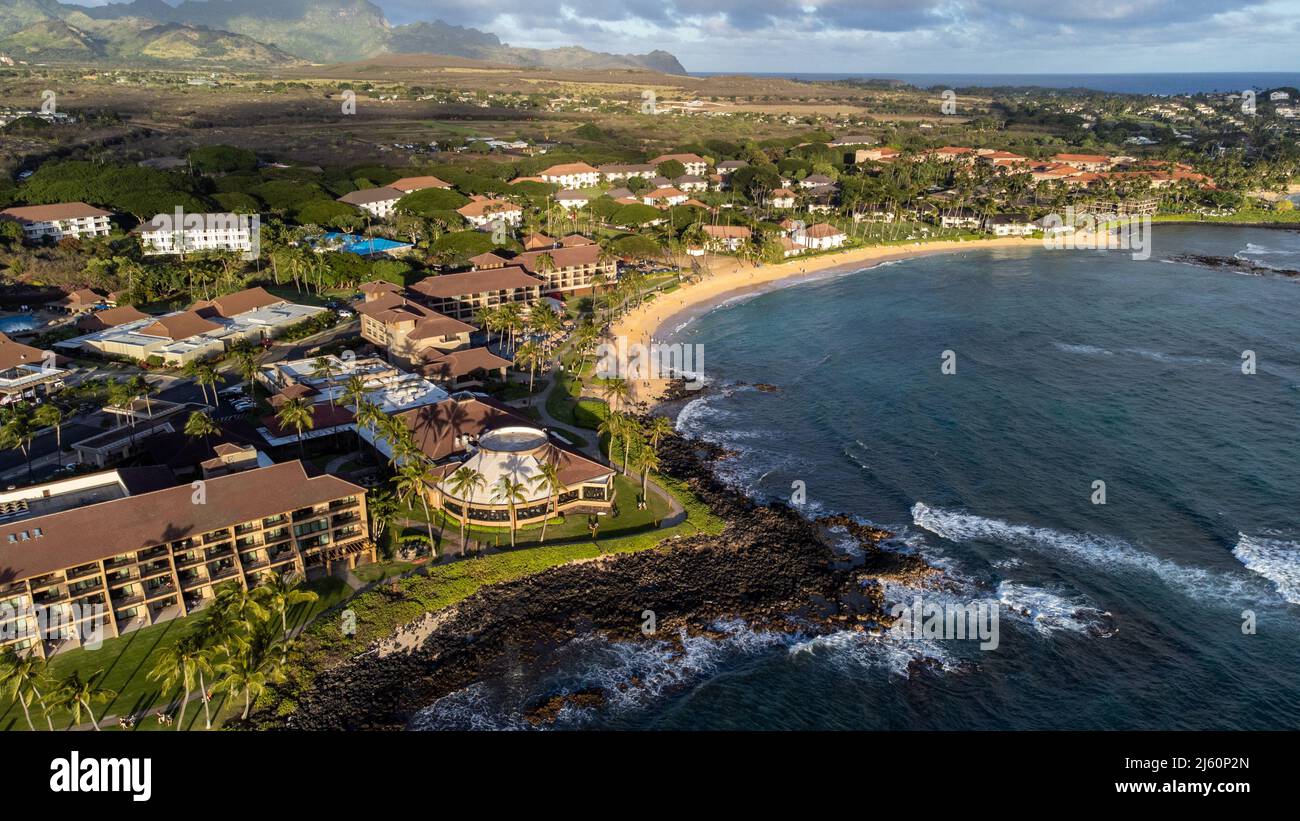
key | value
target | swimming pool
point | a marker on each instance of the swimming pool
(19, 322)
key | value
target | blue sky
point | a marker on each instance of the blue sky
(926, 36)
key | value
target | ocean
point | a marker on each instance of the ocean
(1163, 84)
(1175, 604)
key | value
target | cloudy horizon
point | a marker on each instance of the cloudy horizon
(889, 36)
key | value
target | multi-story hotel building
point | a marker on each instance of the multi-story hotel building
(565, 269)
(125, 550)
(409, 331)
(55, 222)
(572, 175)
(189, 233)
(378, 202)
(459, 296)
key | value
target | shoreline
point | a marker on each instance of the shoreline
(730, 278)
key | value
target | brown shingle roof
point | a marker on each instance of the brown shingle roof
(567, 168)
(98, 531)
(57, 211)
(369, 195)
(476, 282)
(566, 257)
(180, 326)
(409, 184)
(484, 207)
(13, 354)
(460, 363)
(110, 318)
(435, 428)
(240, 302)
(323, 415)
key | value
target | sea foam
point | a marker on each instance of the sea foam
(1275, 559)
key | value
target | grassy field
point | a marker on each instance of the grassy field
(126, 662)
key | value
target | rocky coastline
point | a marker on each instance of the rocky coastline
(769, 567)
(1240, 266)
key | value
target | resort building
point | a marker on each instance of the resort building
(204, 330)
(882, 154)
(569, 268)
(694, 164)
(378, 202)
(570, 200)
(80, 301)
(59, 221)
(665, 197)
(782, 198)
(489, 437)
(408, 184)
(1085, 162)
(388, 387)
(690, 183)
(468, 368)
(572, 175)
(123, 550)
(460, 296)
(727, 237)
(409, 331)
(1010, 225)
(617, 171)
(482, 212)
(109, 318)
(27, 372)
(236, 233)
(820, 237)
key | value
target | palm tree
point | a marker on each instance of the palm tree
(200, 425)
(381, 507)
(548, 480)
(531, 356)
(48, 415)
(21, 679)
(659, 427)
(614, 388)
(323, 367)
(369, 416)
(412, 478)
(17, 433)
(282, 591)
(646, 461)
(463, 483)
(252, 667)
(354, 390)
(141, 389)
(612, 427)
(205, 374)
(296, 413)
(246, 363)
(75, 695)
(179, 664)
(512, 493)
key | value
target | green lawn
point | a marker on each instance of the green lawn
(126, 661)
(379, 571)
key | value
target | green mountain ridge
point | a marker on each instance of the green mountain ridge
(274, 32)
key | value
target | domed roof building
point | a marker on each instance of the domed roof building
(517, 453)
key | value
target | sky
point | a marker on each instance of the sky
(898, 36)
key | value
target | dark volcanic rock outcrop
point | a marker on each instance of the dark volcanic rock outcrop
(769, 567)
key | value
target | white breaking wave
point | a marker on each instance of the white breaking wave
(1275, 559)
(1090, 350)
(849, 651)
(1108, 553)
(1050, 612)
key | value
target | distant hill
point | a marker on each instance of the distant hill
(327, 31)
(136, 40)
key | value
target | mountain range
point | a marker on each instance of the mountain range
(265, 33)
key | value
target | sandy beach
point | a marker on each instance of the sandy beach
(730, 277)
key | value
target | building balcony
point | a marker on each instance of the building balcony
(85, 570)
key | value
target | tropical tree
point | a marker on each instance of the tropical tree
(548, 480)
(281, 592)
(21, 679)
(296, 413)
(323, 367)
(611, 427)
(511, 492)
(17, 433)
(354, 390)
(200, 425)
(411, 482)
(463, 483)
(530, 355)
(614, 390)
(179, 665)
(141, 388)
(254, 666)
(49, 415)
(382, 508)
(246, 363)
(646, 461)
(658, 428)
(78, 696)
